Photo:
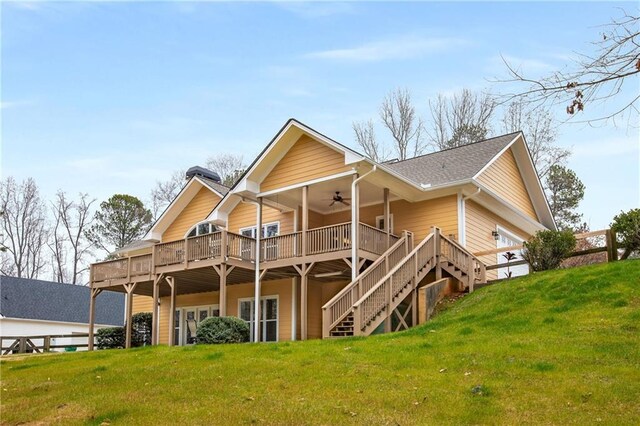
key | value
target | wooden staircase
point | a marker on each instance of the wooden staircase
(364, 304)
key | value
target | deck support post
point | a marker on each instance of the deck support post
(154, 312)
(129, 288)
(172, 309)
(436, 252)
(222, 272)
(387, 215)
(256, 310)
(304, 270)
(471, 273)
(92, 315)
(294, 312)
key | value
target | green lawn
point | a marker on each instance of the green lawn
(560, 347)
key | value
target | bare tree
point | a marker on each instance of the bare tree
(164, 192)
(460, 119)
(540, 133)
(69, 244)
(366, 139)
(229, 166)
(399, 116)
(593, 78)
(24, 228)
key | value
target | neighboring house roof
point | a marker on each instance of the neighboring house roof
(451, 165)
(50, 301)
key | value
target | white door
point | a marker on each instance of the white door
(507, 239)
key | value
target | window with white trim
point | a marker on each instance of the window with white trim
(268, 230)
(268, 317)
(380, 222)
(202, 228)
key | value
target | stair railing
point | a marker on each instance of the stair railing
(463, 260)
(384, 295)
(339, 307)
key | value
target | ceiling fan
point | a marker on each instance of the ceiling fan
(337, 198)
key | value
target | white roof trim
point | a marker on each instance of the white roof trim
(534, 223)
(498, 155)
(161, 225)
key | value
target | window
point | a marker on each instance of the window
(268, 230)
(202, 229)
(268, 317)
(187, 320)
(380, 222)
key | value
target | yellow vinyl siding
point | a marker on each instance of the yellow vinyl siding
(503, 177)
(480, 222)
(415, 217)
(244, 216)
(305, 160)
(280, 288)
(197, 210)
(142, 304)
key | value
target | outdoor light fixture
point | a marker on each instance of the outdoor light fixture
(495, 235)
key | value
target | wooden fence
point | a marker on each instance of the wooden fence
(42, 343)
(587, 243)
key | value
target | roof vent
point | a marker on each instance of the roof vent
(202, 172)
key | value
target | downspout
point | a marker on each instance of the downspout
(256, 310)
(462, 213)
(355, 199)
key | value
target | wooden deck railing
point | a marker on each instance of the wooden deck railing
(170, 253)
(110, 269)
(340, 306)
(207, 246)
(241, 247)
(285, 246)
(42, 343)
(326, 239)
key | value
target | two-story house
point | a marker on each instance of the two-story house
(317, 240)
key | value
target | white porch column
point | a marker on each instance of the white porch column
(256, 311)
(355, 220)
(387, 223)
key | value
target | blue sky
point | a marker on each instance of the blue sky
(108, 98)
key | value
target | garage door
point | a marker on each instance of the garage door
(508, 239)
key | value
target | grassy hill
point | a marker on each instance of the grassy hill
(560, 347)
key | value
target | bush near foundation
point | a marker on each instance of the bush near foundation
(110, 338)
(214, 330)
(114, 337)
(141, 324)
(547, 249)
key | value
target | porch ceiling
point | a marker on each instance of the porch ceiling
(321, 195)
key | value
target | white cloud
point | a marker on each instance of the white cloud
(526, 65)
(14, 104)
(316, 9)
(613, 147)
(394, 48)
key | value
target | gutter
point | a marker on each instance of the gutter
(355, 207)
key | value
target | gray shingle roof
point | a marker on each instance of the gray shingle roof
(451, 165)
(50, 301)
(214, 185)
